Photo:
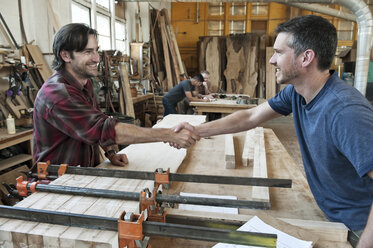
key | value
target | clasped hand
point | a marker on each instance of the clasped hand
(185, 135)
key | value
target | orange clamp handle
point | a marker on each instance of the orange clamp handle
(161, 177)
(42, 169)
(62, 169)
(21, 186)
(130, 230)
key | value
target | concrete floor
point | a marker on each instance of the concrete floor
(285, 131)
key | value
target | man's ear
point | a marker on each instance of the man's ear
(308, 57)
(65, 55)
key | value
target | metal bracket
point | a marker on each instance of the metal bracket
(130, 230)
(148, 202)
(162, 178)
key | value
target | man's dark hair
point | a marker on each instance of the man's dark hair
(71, 37)
(312, 32)
(199, 78)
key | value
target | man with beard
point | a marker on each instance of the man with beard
(69, 126)
(333, 121)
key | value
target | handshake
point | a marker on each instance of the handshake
(184, 135)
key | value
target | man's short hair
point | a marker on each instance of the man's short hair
(312, 32)
(198, 77)
(71, 37)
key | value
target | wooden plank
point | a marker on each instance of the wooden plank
(161, 23)
(270, 75)
(248, 150)
(229, 156)
(324, 230)
(260, 166)
(127, 90)
(174, 42)
(43, 67)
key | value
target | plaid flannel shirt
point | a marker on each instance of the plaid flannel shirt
(68, 124)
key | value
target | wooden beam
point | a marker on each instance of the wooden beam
(127, 90)
(166, 53)
(260, 166)
(248, 149)
(230, 162)
(38, 58)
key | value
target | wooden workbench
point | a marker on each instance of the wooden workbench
(206, 157)
(222, 106)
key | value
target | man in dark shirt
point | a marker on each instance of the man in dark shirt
(69, 127)
(185, 89)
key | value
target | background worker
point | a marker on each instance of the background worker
(333, 121)
(186, 88)
(69, 126)
(204, 89)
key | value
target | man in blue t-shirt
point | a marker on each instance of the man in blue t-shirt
(186, 88)
(333, 121)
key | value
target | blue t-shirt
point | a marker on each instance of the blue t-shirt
(335, 134)
(177, 93)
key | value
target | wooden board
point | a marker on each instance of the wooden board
(127, 90)
(229, 155)
(260, 166)
(248, 149)
(43, 68)
(166, 55)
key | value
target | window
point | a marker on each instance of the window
(103, 29)
(238, 9)
(80, 14)
(104, 3)
(237, 27)
(216, 28)
(345, 30)
(259, 9)
(216, 9)
(120, 36)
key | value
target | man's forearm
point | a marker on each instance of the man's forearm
(132, 134)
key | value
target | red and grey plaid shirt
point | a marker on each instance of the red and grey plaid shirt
(68, 124)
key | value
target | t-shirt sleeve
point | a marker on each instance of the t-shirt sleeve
(281, 102)
(187, 86)
(353, 134)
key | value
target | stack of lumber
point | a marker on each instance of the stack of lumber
(236, 63)
(166, 59)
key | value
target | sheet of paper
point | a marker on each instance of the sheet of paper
(257, 225)
(209, 208)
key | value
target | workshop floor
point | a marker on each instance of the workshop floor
(285, 131)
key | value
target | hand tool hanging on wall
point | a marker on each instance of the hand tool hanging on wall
(132, 227)
(166, 177)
